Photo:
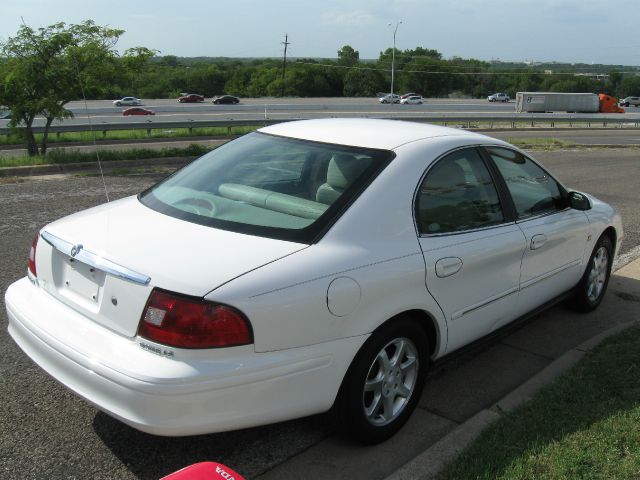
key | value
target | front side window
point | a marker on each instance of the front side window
(269, 186)
(457, 194)
(533, 191)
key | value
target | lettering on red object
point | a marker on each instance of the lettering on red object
(224, 474)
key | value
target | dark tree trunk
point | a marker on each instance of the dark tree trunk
(32, 145)
(45, 136)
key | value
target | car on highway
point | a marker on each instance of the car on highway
(411, 100)
(225, 99)
(407, 95)
(307, 266)
(628, 101)
(137, 111)
(390, 98)
(499, 97)
(5, 114)
(191, 98)
(127, 101)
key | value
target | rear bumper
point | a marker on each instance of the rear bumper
(195, 392)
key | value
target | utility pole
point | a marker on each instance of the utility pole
(286, 43)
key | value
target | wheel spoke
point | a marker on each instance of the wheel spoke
(401, 348)
(388, 403)
(408, 365)
(374, 385)
(385, 363)
(372, 409)
(403, 390)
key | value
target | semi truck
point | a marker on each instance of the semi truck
(540, 102)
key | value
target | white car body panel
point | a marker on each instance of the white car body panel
(311, 307)
(177, 255)
(557, 265)
(489, 276)
(193, 392)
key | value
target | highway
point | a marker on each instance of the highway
(103, 111)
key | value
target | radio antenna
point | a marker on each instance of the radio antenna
(93, 133)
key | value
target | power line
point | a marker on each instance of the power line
(440, 72)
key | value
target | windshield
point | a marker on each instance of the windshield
(269, 186)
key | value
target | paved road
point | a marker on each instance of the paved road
(617, 136)
(103, 111)
(620, 136)
(46, 432)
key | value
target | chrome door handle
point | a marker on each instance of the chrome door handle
(538, 241)
(445, 267)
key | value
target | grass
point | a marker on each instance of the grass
(541, 143)
(131, 134)
(62, 156)
(585, 425)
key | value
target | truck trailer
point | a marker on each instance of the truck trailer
(540, 102)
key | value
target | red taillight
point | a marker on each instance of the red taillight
(181, 321)
(32, 255)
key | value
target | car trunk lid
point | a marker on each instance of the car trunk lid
(105, 261)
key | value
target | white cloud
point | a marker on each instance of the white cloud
(347, 19)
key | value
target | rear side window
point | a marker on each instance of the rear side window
(534, 191)
(457, 194)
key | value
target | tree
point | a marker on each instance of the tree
(348, 57)
(48, 67)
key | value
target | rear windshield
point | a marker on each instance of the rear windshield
(270, 186)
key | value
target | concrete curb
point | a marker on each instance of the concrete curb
(429, 463)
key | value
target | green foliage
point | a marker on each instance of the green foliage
(348, 57)
(584, 425)
(44, 69)
(63, 156)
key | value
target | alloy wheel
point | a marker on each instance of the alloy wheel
(390, 382)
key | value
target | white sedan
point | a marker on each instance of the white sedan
(411, 100)
(127, 101)
(499, 97)
(307, 265)
(390, 98)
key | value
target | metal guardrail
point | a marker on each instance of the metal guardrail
(466, 120)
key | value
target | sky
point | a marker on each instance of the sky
(586, 31)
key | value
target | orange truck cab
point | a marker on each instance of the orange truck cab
(609, 104)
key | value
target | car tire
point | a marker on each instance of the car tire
(118, 104)
(384, 382)
(593, 284)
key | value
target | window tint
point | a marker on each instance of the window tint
(457, 194)
(268, 185)
(533, 191)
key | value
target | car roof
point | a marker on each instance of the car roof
(363, 132)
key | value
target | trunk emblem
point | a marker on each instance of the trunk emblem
(76, 249)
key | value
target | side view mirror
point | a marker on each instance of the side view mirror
(578, 201)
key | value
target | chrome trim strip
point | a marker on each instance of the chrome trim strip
(544, 276)
(473, 308)
(78, 252)
(462, 232)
